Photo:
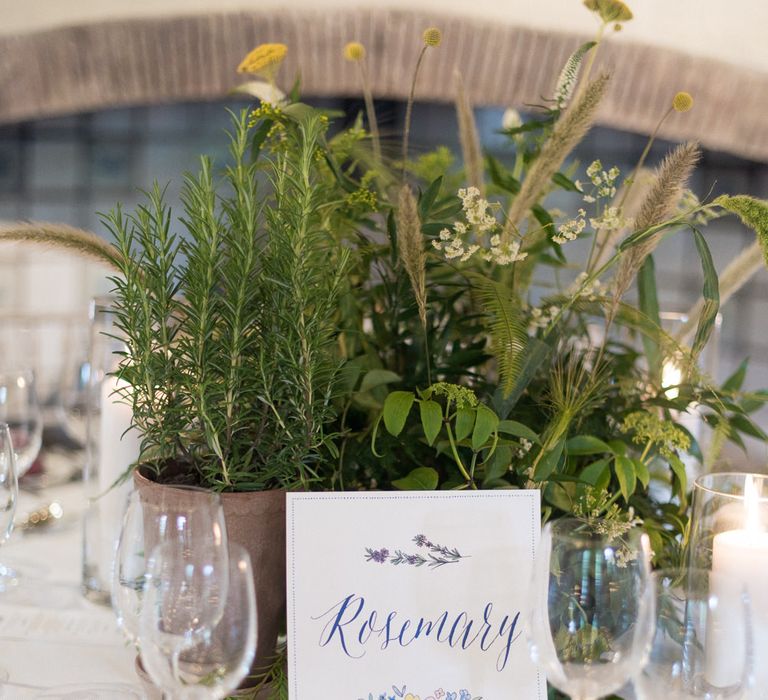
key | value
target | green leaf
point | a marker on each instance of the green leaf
(565, 182)
(378, 377)
(465, 421)
(559, 496)
(431, 419)
(420, 479)
(736, 380)
(549, 462)
(501, 177)
(396, 408)
(428, 198)
(747, 426)
(498, 465)
(586, 445)
(512, 427)
(681, 481)
(597, 474)
(486, 423)
(754, 400)
(710, 293)
(537, 352)
(299, 112)
(649, 305)
(625, 472)
(533, 125)
(643, 476)
(392, 232)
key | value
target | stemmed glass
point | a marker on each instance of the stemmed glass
(591, 607)
(19, 408)
(198, 622)
(9, 494)
(189, 517)
(702, 643)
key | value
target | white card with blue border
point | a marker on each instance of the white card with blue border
(411, 595)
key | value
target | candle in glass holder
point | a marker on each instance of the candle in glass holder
(739, 566)
(118, 448)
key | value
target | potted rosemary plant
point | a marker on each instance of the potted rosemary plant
(229, 328)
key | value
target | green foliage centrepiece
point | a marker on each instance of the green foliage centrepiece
(340, 315)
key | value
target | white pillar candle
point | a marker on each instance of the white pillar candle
(739, 564)
(118, 448)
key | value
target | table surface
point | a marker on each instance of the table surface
(50, 635)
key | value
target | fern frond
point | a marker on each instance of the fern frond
(507, 329)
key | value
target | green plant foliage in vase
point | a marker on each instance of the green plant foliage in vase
(332, 313)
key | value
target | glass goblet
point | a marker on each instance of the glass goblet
(702, 642)
(20, 409)
(198, 623)
(591, 607)
(187, 516)
(9, 494)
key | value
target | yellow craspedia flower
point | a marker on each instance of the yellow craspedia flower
(432, 36)
(682, 102)
(264, 60)
(354, 51)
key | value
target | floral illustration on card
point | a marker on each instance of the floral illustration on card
(399, 693)
(433, 556)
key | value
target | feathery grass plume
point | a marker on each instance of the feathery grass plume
(75, 240)
(657, 207)
(736, 274)
(567, 132)
(432, 36)
(355, 52)
(468, 136)
(411, 248)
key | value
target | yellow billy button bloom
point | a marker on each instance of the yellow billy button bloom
(354, 51)
(264, 60)
(610, 10)
(682, 102)
(432, 36)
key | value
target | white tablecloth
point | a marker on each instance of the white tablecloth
(49, 634)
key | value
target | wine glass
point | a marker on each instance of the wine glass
(702, 643)
(591, 607)
(19, 408)
(190, 517)
(9, 494)
(198, 623)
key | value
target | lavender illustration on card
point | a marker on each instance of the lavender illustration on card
(435, 556)
(398, 693)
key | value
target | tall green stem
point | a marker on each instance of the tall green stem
(409, 110)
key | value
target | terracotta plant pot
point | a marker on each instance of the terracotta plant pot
(256, 521)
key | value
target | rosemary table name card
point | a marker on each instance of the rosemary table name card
(411, 595)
